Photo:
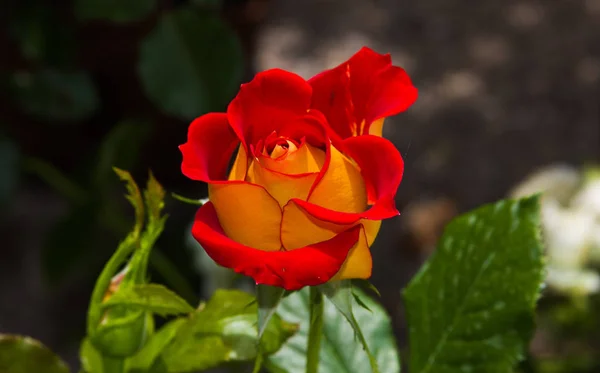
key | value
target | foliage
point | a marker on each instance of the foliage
(120, 319)
(222, 330)
(67, 83)
(190, 63)
(471, 307)
(340, 352)
(19, 354)
(113, 10)
(55, 95)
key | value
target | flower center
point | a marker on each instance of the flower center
(277, 147)
(282, 149)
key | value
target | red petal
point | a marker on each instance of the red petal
(331, 95)
(314, 130)
(381, 167)
(271, 99)
(311, 126)
(363, 68)
(209, 148)
(365, 88)
(392, 93)
(308, 266)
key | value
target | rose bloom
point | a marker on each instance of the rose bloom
(312, 178)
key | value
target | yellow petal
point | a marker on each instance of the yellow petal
(288, 173)
(376, 127)
(299, 229)
(281, 187)
(248, 214)
(371, 228)
(240, 165)
(342, 188)
(359, 263)
(306, 159)
(280, 150)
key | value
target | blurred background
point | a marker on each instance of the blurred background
(505, 87)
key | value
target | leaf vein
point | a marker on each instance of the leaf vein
(431, 360)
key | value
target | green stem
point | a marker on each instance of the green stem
(117, 259)
(111, 220)
(315, 330)
(116, 222)
(113, 365)
(189, 201)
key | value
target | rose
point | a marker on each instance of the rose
(312, 178)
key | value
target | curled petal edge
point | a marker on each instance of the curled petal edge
(307, 266)
(360, 91)
(382, 168)
(210, 145)
(277, 94)
(383, 209)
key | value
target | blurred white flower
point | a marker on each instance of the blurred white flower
(588, 198)
(573, 281)
(567, 234)
(558, 182)
(570, 208)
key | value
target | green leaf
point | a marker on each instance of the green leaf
(340, 294)
(223, 330)
(340, 353)
(19, 354)
(114, 10)
(268, 298)
(9, 170)
(147, 357)
(42, 37)
(360, 302)
(470, 308)
(90, 358)
(154, 196)
(55, 95)
(366, 285)
(151, 298)
(191, 63)
(134, 196)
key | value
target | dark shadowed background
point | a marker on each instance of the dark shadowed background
(505, 86)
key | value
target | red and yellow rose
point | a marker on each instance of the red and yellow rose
(312, 177)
